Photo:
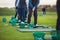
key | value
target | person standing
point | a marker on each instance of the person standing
(33, 7)
(44, 10)
(22, 10)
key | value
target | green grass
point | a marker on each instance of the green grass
(10, 33)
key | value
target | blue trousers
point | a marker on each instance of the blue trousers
(22, 12)
(25, 13)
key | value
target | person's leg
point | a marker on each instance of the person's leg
(23, 15)
(35, 16)
(16, 12)
(19, 14)
(29, 15)
(44, 12)
(58, 24)
(58, 18)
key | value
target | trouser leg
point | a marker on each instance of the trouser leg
(58, 19)
(29, 15)
(19, 14)
(16, 13)
(23, 15)
(35, 16)
(44, 12)
(58, 23)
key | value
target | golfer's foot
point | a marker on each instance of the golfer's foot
(36, 26)
(44, 15)
(25, 21)
(19, 21)
(22, 22)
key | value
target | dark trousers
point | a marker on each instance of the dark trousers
(58, 18)
(44, 12)
(30, 14)
(17, 13)
(16, 9)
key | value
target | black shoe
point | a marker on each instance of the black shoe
(35, 26)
